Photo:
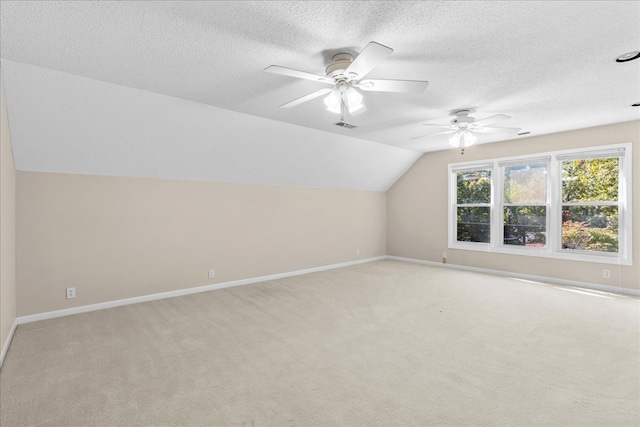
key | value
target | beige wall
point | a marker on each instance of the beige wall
(113, 238)
(7, 228)
(417, 208)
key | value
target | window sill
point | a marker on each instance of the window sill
(543, 253)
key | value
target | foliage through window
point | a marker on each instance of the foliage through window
(525, 204)
(590, 204)
(570, 204)
(473, 209)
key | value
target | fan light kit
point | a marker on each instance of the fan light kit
(345, 74)
(463, 127)
(343, 95)
(463, 138)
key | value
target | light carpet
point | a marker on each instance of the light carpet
(381, 344)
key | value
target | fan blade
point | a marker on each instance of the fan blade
(491, 119)
(406, 86)
(276, 69)
(497, 130)
(440, 126)
(305, 98)
(434, 134)
(368, 58)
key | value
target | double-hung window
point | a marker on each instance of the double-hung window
(473, 204)
(573, 204)
(591, 201)
(525, 202)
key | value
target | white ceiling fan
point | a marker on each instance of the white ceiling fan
(345, 74)
(464, 126)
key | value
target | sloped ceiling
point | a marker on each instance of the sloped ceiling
(177, 89)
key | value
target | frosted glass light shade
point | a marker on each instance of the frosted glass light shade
(463, 138)
(454, 141)
(354, 100)
(333, 101)
(469, 139)
(351, 98)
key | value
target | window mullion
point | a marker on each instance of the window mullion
(497, 216)
(554, 235)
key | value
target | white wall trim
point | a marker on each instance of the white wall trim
(548, 280)
(152, 297)
(5, 347)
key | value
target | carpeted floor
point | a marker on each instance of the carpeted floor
(379, 344)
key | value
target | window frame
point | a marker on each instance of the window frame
(500, 182)
(476, 167)
(553, 248)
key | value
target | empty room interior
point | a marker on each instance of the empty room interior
(304, 213)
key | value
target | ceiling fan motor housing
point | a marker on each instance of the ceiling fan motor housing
(462, 119)
(339, 64)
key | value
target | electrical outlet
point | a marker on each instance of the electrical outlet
(606, 274)
(444, 254)
(71, 293)
(211, 274)
(357, 251)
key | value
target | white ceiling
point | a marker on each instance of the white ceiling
(183, 83)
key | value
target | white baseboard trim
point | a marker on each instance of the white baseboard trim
(152, 297)
(206, 288)
(5, 346)
(548, 280)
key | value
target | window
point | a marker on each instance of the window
(473, 205)
(590, 204)
(524, 205)
(570, 204)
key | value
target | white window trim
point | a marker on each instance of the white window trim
(452, 183)
(554, 202)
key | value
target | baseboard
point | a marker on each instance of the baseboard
(531, 277)
(5, 346)
(152, 297)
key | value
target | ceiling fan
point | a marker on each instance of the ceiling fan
(464, 126)
(345, 74)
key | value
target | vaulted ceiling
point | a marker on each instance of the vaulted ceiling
(178, 89)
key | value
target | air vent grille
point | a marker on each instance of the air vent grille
(345, 125)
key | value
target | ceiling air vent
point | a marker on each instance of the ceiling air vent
(346, 125)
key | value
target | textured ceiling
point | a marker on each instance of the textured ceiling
(549, 65)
